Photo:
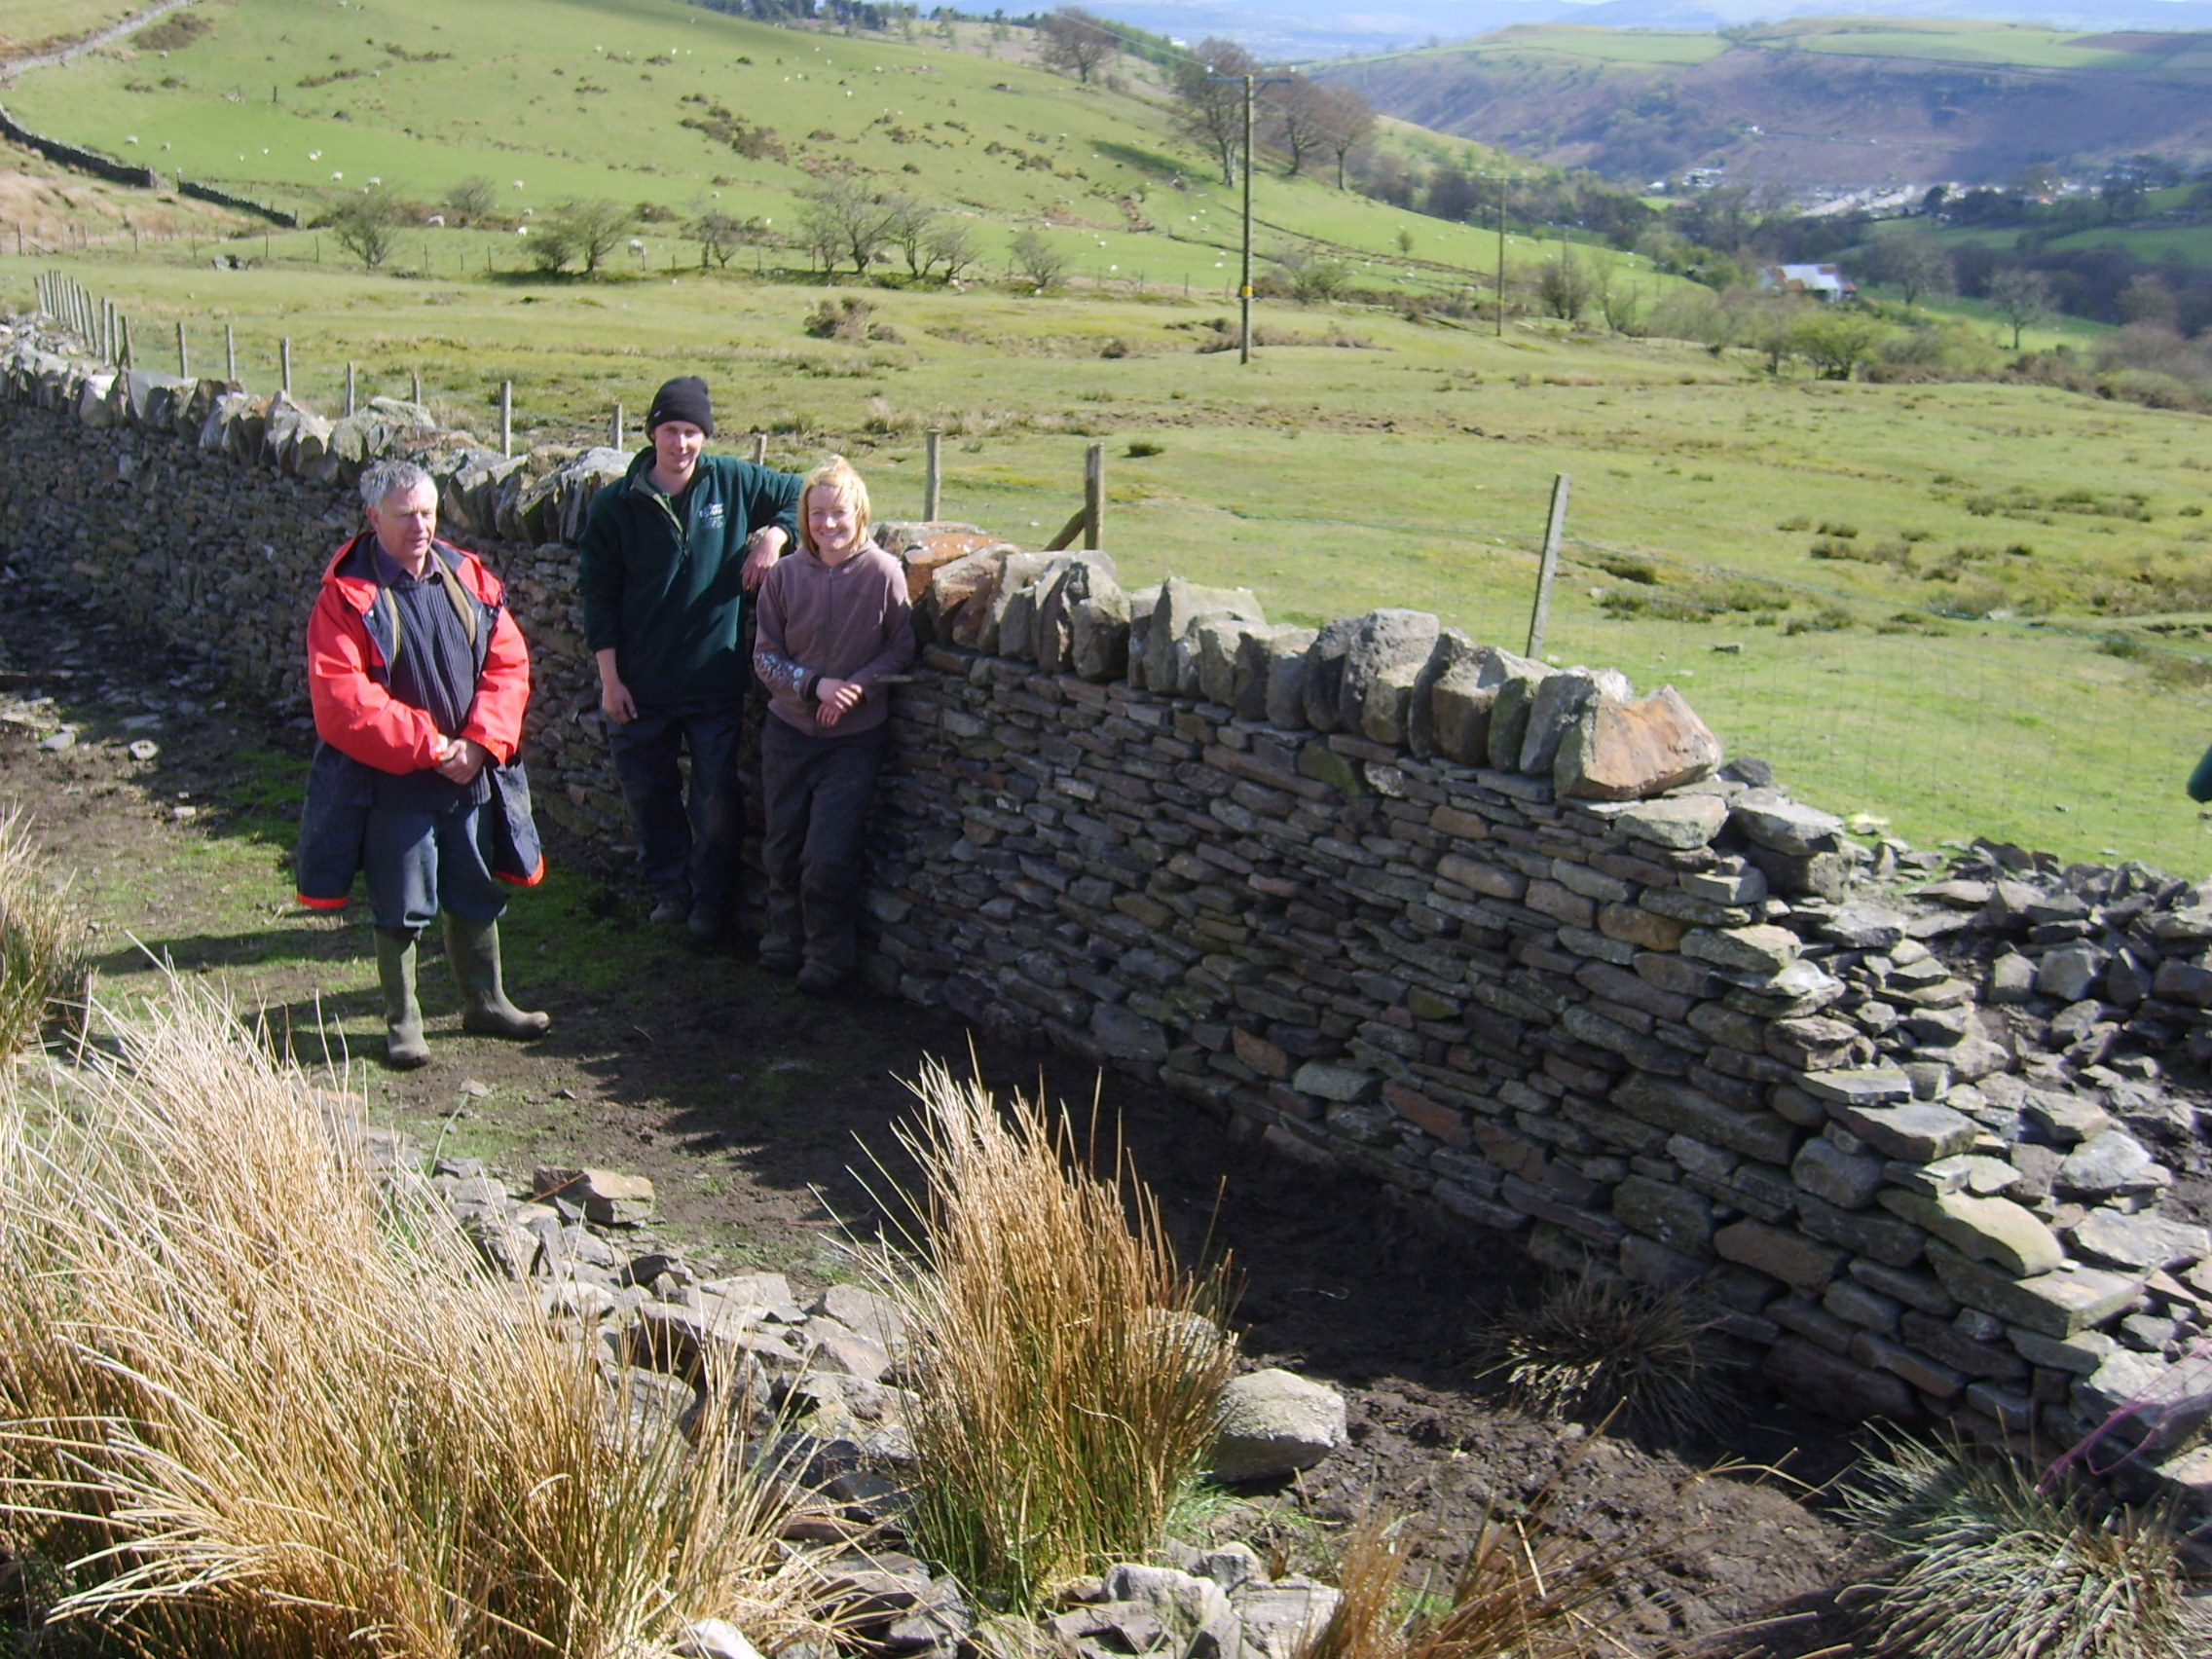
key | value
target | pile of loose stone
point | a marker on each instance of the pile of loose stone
(817, 1392)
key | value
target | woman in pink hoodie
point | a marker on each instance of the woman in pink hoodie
(834, 623)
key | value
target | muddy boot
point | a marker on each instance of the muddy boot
(473, 949)
(403, 1045)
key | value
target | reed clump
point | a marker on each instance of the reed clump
(1067, 1367)
(1592, 1346)
(42, 944)
(1986, 1564)
(253, 1404)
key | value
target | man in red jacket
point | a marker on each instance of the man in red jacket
(418, 678)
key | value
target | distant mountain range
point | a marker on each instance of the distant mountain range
(1318, 29)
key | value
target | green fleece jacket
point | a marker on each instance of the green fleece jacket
(660, 576)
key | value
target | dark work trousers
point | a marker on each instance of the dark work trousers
(816, 790)
(421, 861)
(688, 849)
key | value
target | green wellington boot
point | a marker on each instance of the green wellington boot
(403, 1045)
(473, 949)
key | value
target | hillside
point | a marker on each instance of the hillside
(1819, 101)
(688, 111)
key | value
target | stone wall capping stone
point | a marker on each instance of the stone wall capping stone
(1505, 938)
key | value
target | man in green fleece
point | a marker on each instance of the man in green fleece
(669, 555)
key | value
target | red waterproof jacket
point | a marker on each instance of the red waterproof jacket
(354, 711)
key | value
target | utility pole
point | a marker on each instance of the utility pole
(1501, 259)
(1244, 288)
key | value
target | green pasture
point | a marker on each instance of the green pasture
(297, 102)
(1410, 465)
(2029, 48)
(1606, 46)
(2194, 242)
(25, 23)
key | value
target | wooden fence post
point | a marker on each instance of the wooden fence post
(1094, 495)
(760, 449)
(349, 388)
(415, 381)
(614, 427)
(506, 417)
(183, 356)
(230, 354)
(1554, 527)
(284, 363)
(933, 476)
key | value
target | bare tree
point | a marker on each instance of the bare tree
(1913, 262)
(909, 225)
(1347, 123)
(1297, 111)
(1566, 285)
(472, 198)
(1836, 339)
(1212, 102)
(1074, 41)
(952, 245)
(2020, 296)
(593, 226)
(720, 234)
(1037, 259)
(844, 220)
(367, 224)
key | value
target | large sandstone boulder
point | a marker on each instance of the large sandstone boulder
(1088, 576)
(1099, 636)
(576, 483)
(1558, 704)
(1274, 1423)
(924, 546)
(1385, 655)
(1171, 646)
(1453, 698)
(1258, 656)
(1323, 690)
(943, 606)
(471, 496)
(1221, 642)
(1623, 751)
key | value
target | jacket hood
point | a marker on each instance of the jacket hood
(349, 571)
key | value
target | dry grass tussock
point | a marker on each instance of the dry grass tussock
(1987, 1567)
(1589, 1348)
(254, 1407)
(42, 944)
(1067, 1367)
(1524, 1590)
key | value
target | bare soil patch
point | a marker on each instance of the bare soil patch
(751, 1106)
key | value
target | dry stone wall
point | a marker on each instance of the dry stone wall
(1512, 940)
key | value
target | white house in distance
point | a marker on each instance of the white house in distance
(1824, 281)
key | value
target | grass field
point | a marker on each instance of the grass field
(287, 101)
(2027, 47)
(1606, 46)
(1380, 461)
(29, 24)
(1412, 467)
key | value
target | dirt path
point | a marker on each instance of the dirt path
(751, 1106)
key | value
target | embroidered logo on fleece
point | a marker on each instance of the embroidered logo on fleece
(711, 516)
